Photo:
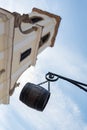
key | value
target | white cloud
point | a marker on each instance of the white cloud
(64, 61)
(60, 113)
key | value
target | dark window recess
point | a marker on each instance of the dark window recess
(44, 39)
(35, 19)
(25, 54)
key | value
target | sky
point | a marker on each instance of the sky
(66, 109)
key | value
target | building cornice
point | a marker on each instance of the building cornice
(57, 18)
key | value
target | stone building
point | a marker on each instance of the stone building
(22, 38)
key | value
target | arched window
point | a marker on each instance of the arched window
(35, 19)
(44, 39)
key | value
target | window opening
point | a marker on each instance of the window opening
(44, 39)
(35, 19)
(25, 54)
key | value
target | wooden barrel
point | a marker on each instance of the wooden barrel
(34, 96)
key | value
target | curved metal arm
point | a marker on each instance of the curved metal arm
(52, 77)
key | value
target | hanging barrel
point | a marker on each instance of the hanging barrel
(34, 96)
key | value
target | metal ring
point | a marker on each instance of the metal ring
(51, 77)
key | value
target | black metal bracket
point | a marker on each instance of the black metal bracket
(52, 77)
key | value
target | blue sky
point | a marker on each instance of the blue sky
(66, 109)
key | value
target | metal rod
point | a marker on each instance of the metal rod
(77, 83)
(42, 82)
(80, 86)
(68, 79)
(49, 86)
